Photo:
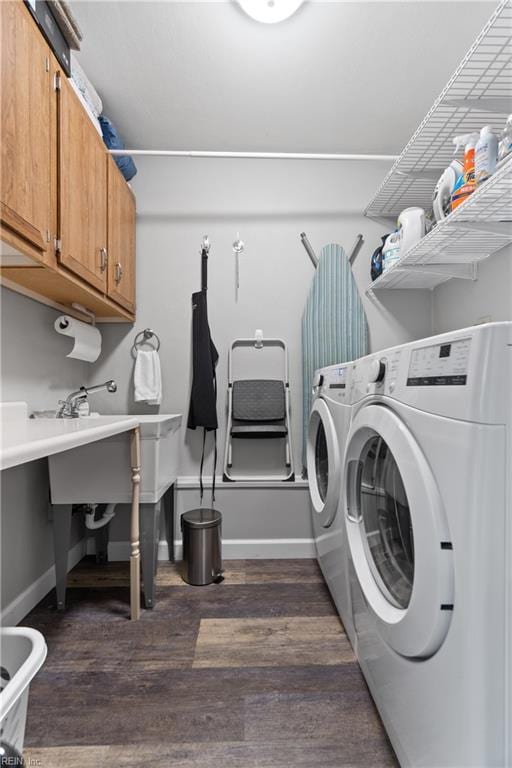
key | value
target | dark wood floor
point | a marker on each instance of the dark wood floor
(256, 671)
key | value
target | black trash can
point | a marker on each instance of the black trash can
(202, 546)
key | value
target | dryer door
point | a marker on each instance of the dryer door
(324, 463)
(398, 533)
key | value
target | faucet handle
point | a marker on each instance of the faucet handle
(64, 409)
(69, 408)
(78, 400)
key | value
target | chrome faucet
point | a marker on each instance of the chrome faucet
(69, 408)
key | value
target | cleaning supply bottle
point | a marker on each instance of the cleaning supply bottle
(376, 263)
(486, 155)
(505, 145)
(455, 200)
(391, 251)
(442, 199)
(466, 187)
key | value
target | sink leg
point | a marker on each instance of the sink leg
(157, 531)
(149, 530)
(61, 538)
(168, 501)
(101, 537)
(134, 528)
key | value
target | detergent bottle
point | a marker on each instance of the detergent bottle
(486, 155)
(391, 251)
(465, 185)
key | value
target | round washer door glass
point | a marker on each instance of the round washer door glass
(397, 530)
(324, 464)
(321, 461)
(387, 522)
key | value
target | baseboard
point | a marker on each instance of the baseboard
(232, 549)
(29, 598)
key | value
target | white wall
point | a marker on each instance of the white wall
(34, 366)
(461, 303)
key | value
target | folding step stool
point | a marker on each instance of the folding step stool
(258, 409)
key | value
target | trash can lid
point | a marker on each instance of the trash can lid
(204, 517)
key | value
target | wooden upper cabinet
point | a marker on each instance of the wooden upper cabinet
(26, 130)
(82, 174)
(121, 238)
(67, 215)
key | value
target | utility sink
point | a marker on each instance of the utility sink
(99, 472)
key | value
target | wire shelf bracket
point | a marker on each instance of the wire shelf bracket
(424, 276)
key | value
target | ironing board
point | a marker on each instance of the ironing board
(334, 327)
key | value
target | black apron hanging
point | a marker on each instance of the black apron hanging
(203, 396)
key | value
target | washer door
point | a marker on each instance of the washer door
(324, 463)
(398, 533)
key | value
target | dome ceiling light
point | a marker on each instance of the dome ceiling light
(270, 11)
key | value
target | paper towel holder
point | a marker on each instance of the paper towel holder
(84, 311)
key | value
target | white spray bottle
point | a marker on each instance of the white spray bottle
(486, 154)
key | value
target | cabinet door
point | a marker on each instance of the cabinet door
(25, 93)
(121, 239)
(82, 191)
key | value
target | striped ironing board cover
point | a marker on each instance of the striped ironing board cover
(334, 327)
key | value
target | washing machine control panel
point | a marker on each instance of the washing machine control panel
(396, 372)
(440, 365)
(334, 383)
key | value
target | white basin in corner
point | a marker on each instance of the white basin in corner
(100, 472)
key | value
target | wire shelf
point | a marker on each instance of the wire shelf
(479, 93)
(476, 229)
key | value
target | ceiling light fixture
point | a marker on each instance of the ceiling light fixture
(270, 11)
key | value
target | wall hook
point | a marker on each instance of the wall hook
(238, 248)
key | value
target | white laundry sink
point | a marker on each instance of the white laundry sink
(100, 472)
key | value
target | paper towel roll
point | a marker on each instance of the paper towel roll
(87, 338)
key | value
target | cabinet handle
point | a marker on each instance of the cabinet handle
(103, 259)
(118, 273)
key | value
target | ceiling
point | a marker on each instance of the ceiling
(336, 77)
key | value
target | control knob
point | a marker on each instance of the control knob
(318, 383)
(377, 371)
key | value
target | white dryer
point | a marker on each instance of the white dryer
(329, 425)
(427, 507)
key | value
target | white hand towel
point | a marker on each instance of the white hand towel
(147, 377)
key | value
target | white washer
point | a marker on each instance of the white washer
(427, 506)
(329, 424)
